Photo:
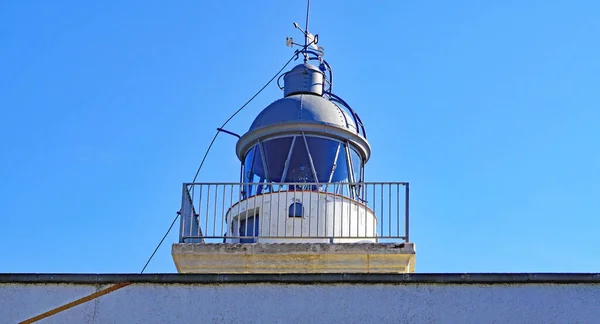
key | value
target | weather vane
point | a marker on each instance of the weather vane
(309, 39)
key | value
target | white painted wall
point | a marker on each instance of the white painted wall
(317, 303)
(325, 215)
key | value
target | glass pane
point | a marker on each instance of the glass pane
(248, 163)
(258, 167)
(254, 165)
(356, 164)
(295, 210)
(276, 151)
(253, 172)
(299, 169)
(323, 153)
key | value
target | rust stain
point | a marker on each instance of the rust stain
(75, 303)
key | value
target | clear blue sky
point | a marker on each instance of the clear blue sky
(491, 111)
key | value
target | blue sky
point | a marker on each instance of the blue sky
(491, 111)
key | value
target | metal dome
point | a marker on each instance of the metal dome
(306, 109)
(302, 113)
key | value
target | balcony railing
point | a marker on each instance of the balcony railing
(294, 212)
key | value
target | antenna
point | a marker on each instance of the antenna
(306, 33)
(309, 39)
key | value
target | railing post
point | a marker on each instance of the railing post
(181, 213)
(406, 212)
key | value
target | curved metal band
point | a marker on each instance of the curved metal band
(249, 139)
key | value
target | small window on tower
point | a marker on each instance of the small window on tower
(296, 210)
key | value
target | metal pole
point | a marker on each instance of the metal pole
(406, 212)
(215, 213)
(390, 210)
(182, 217)
(306, 29)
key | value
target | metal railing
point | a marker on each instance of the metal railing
(294, 212)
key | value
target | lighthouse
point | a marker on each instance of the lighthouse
(302, 203)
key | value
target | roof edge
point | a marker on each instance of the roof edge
(303, 278)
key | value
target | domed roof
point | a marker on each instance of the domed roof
(302, 108)
(303, 113)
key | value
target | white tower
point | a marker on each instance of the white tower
(302, 182)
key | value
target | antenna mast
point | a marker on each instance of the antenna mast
(306, 29)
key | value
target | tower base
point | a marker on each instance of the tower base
(294, 258)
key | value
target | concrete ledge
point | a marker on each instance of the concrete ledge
(294, 258)
(329, 278)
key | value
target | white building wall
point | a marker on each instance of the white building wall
(307, 303)
(325, 215)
